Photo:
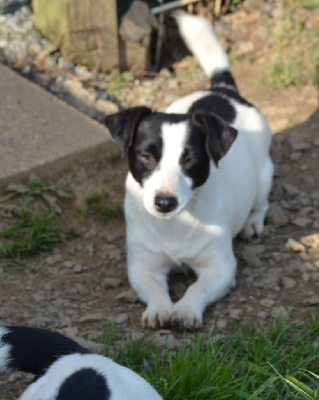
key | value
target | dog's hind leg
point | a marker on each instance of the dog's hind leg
(254, 225)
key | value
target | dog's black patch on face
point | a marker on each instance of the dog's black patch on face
(216, 104)
(194, 159)
(146, 150)
(84, 384)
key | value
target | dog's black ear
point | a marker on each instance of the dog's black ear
(123, 125)
(220, 135)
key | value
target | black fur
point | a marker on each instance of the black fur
(34, 349)
(148, 141)
(83, 385)
(123, 125)
(195, 148)
(223, 77)
(215, 103)
(220, 136)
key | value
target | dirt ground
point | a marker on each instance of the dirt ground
(81, 287)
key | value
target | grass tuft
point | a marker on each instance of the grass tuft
(29, 217)
(249, 363)
(100, 205)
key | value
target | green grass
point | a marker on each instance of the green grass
(100, 205)
(295, 56)
(248, 363)
(29, 217)
(117, 81)
(29, 233)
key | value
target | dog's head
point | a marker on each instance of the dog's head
(169, 154)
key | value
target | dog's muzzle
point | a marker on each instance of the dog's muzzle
(165, 203)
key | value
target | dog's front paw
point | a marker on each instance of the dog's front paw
(183, 317)
(156, 317)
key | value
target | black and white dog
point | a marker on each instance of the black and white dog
(199, 174)
(65, 371)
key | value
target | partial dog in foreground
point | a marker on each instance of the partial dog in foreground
(199, 174)
(65, 371)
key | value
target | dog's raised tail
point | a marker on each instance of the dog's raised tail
(32, 349)
(200, 38)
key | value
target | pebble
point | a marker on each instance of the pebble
(262, 315)
(267, 303)
(14, 377)
(312, 301)
(128, 296)
(111, 282)
(53, 259)
(167, 340)
(251, 257)
(290, 189)
(301, 221)
(222, 324)
(295, 246)
(94, 317)
(279, 312)
(78, 269)
(307, 267)
(288, 283)
(120, 319)
(276, 216)
(311, 240)
(236, 314)
(135, 336)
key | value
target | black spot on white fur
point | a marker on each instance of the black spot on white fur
(33, 349)
(216, 103)
(84, 384)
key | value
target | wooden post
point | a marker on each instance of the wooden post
(88, 29)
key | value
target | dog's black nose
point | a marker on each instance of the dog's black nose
(165, 203)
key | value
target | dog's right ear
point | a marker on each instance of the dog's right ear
(123, 125)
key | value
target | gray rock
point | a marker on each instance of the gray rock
(301, 221)
(279, 312)
(110, 282)
(276, 216)
(53, 259)
(129, 296)
(120, 319)
(236, 314)
(94, 317)
(251, 257)
(288, 282)
(312, 301)
(268, 303)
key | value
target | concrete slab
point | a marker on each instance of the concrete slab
(40, 133)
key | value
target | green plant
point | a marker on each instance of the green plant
(118, 81)
(29, 217)
(99, 204)
(295, 58)
(248, 363)
(29, 233)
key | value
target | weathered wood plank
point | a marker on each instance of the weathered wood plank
(88, 29)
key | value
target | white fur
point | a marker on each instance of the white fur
(122, 382)
(168, 176)
(201, 40)
(4, 351)
(232, 200)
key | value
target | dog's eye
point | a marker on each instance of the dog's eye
(189, 160)
(146, 158)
